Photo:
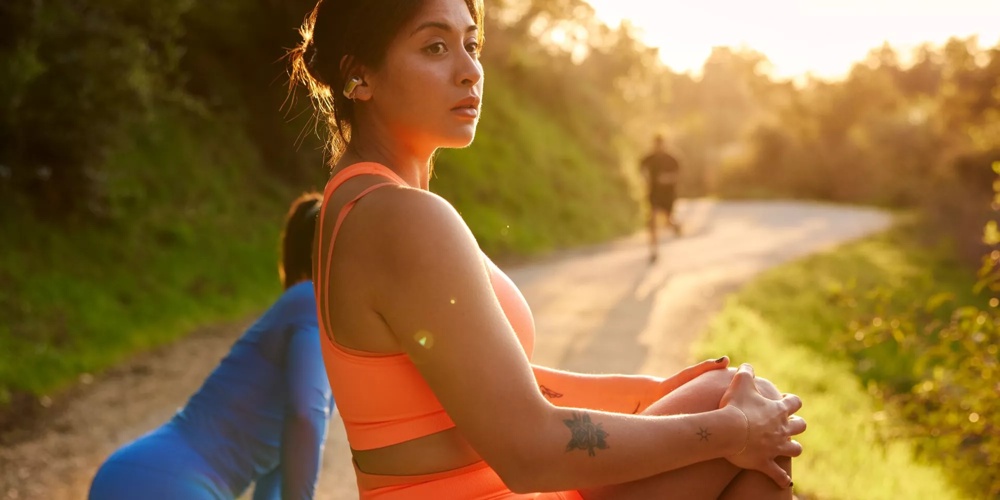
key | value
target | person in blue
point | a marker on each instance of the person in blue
(260, 417)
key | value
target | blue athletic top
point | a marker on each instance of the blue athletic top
(262, 414)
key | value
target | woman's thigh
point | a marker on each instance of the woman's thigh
(704, 394)
(157, 466)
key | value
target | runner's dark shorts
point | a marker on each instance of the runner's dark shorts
(663, 198)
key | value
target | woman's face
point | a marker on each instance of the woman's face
(427, 92)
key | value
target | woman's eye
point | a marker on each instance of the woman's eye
(436, 49)
(472, 47)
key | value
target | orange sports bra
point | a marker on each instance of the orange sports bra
(382, 398)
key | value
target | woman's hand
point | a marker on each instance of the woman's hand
(770, 426)
(688, 374)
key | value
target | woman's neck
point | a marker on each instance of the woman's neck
(412, 166)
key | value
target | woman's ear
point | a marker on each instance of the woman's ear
(357, 85)
(363, 91)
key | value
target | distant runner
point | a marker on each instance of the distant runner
(662, 172)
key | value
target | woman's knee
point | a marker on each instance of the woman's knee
(717, 382)
(697, 396)
(767, 389)
(704, 393)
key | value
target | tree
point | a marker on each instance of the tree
(74, 76)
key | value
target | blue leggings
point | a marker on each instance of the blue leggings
(158, 466)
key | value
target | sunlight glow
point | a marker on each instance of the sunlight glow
(823, 37)
(424, 338)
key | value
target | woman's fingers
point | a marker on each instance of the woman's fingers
(777, 474)
(722, 362)
(694, 371)
(741, 385)
(792, 403)
(791, 449)
(705, 366)
(796, 425)
(743, 379)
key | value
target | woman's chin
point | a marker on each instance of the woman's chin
(459, 140)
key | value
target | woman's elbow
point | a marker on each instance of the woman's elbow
(518, 474)
(306, 409)
(312, 420)
(523, 468)
(522, 457)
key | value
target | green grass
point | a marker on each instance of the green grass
(788, 323)
(527, 185)
(193, 227)
(190, 241)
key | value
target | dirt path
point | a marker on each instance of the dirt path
(604, 309)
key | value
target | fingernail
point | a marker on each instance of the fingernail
(720, 359)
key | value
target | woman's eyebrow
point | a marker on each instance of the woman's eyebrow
(441, 26)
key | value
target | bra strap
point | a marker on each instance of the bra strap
(339, 179)
(340, 221)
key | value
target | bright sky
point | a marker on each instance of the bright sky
(820, 36)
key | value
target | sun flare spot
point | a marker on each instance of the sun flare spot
(424, 338)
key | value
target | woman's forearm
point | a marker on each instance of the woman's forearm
(302, 447)
(612, 393)
(579, 448)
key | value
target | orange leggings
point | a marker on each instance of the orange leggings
(472, 482)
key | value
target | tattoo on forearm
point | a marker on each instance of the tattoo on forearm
(586, 435)
(549, 393)
(703, 434)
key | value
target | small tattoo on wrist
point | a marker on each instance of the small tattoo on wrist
(703, 434)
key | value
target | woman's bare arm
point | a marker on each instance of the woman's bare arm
(433, 291)
(630, 394)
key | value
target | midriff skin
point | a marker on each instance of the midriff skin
(439, 452)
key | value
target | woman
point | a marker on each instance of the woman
(260, 416)
(450, 406)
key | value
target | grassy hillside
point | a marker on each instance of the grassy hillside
(192, 236)
(528, 185)
(792, 325)
(191, 239)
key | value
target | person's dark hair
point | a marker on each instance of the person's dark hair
(361, 31)
(297, 239)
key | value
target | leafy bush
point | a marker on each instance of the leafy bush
(947, 375)
(73, 77)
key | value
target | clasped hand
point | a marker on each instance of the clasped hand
(771, 424)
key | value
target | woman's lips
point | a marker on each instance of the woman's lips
(466, 112)
(468, 107)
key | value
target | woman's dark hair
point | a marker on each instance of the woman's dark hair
(297, 239)
(361, 31)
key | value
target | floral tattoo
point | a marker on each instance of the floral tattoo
(586, 435)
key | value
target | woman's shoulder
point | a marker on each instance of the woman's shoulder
(297, 304)
(411, 212)
(406, 227)
(294, 310)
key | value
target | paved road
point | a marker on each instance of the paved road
(603, 309)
